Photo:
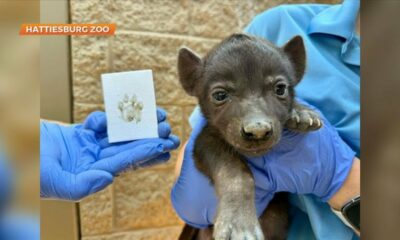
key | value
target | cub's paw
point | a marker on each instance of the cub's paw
(237, 227)
(303, 120)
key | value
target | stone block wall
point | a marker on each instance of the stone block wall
(149, 34)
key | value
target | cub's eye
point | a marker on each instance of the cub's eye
(220, 96)
(280, 89)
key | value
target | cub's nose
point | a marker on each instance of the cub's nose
(257, 130)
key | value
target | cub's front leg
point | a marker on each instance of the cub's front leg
(236, 216)
(303, 119)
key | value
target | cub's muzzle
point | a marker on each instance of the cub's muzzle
(257, 130)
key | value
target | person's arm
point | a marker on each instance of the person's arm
(178, 165)
(349, 191)
(318, 163)
(350, 188)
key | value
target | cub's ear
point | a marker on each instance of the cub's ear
(189, 64)
(296, 52)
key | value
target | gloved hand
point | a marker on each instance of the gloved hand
(19, 226)
(6, 183)
(313, 163)
(77, 160)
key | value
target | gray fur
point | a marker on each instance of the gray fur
(248, 74)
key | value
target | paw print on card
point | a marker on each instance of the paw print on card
(131, 109)
(130, 105)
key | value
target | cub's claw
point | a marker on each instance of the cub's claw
(303, 120)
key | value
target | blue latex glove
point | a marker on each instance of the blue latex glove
(313, 163)
(76, 161)
(6, 183)
(19, 226)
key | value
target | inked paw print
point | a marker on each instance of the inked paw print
(304, 120)
(130, 109)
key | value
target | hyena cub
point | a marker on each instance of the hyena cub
(245, 88)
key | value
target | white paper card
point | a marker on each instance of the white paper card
(130, 105)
